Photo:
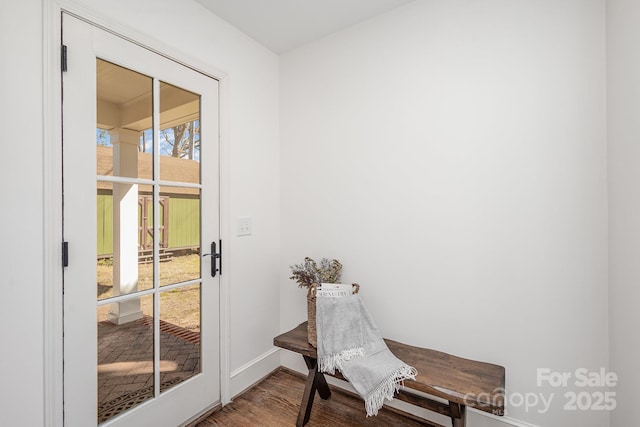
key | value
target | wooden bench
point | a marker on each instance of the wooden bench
(458, 383)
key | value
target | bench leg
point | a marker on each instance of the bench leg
(315, 381)
(458, 414)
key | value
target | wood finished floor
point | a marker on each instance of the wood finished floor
(275, 402)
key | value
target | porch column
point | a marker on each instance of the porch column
(125, 225)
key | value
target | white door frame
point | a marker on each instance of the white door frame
(52, 198)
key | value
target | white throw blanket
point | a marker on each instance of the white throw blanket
(348, 340)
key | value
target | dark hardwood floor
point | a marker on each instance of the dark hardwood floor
(275, 402)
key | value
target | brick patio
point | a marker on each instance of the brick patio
(125, 362)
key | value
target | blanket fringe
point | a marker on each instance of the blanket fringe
(387, 388)
(331, 362)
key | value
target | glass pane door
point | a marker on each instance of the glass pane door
(141, 320)
(148, 237)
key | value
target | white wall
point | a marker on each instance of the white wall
(453, 155)
(253, 131)
(623, 60)
(21, 281)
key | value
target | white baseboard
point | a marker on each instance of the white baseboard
(479, 418)
(474, 418)
(253, 371)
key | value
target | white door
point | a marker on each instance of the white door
(140, 188)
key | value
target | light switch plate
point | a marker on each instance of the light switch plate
(244, 226)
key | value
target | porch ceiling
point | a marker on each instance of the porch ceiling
(124, 100)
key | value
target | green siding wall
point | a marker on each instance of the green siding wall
(183, 226)
(184, 222)
(105, 224)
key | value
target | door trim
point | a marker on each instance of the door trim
(52, 192)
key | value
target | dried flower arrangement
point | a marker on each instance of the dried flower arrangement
(308, 273)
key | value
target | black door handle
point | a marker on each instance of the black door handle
(215, 256)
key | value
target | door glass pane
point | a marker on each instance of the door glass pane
(125, 239)
(180, 234)
(123, 122)
(143, 228)
(125, 356)
(179, 134)
(179, 335)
